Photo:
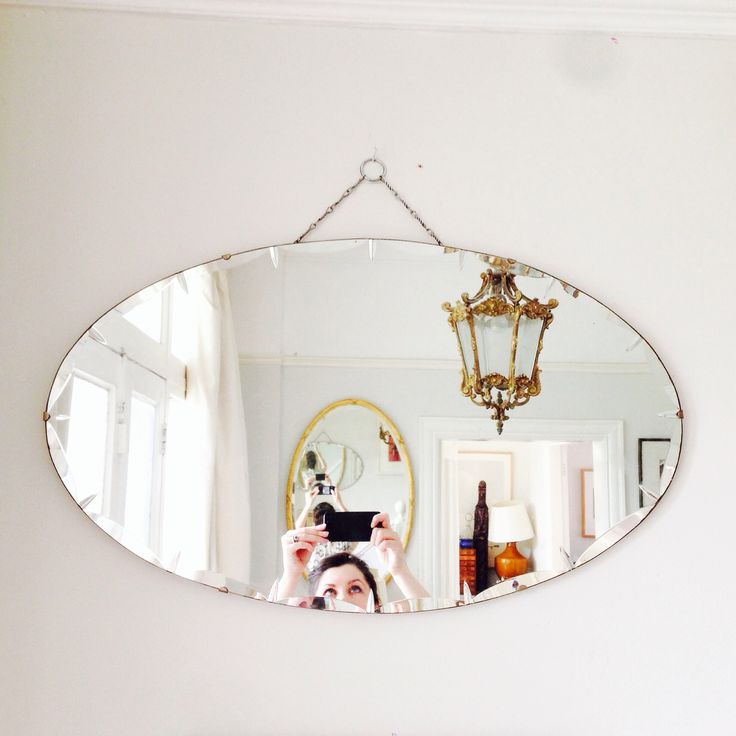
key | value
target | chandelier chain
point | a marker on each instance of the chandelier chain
(353, 187)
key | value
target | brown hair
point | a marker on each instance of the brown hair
(319, 511)
(338, 560)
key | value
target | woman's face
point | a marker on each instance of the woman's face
(346, 583)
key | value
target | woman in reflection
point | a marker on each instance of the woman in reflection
(310, 494)
(321, 551)
(345, 577)
(310, 466)
(318, 514)
(338, 575)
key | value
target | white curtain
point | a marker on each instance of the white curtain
(209, 512)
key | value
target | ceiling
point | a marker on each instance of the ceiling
(697, 18)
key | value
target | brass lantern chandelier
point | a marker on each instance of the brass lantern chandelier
(499, 335)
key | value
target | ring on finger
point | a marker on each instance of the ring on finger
(295, 538)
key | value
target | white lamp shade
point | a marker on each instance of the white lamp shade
(509, 522)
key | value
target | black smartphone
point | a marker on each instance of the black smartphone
(349, 526)
(323, 489)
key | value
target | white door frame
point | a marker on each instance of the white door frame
(437, 497)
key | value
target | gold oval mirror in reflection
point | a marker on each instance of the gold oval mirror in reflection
(351, 458)
(543, 428)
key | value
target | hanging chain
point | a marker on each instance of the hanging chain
(351, 189)
(412, 212)
(330, 209)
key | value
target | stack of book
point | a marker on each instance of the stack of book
(467, 565)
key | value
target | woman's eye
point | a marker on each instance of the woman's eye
(356, 589)
(329, 592)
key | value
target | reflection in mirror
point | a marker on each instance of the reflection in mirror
(179, 417)
(378, 478)
(384, 488)
(613, 535)
(321, 603)
(413, 605)
(515, 584)
(341, 464)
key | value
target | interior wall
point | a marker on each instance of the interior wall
(300, 392)
(578, 457)
(133, 146)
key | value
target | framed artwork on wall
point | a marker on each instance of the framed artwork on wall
(587, 504)
(652, 456)
(390, 461)
(494, 468)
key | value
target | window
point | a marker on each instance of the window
(87, 441)
(124, 376)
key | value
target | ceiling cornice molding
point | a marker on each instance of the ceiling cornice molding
(660, 17)
(429, 364)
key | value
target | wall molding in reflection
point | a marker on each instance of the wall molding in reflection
(656, 17)
(316, 361)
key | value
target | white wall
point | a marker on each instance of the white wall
(132, 147)
(578, 455)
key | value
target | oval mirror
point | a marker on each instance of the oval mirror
(542, 427)
(340, 463)
(379, 478)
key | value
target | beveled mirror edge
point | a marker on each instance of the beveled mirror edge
(45, 415)
(289, 511)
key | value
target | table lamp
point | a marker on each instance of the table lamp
(510, 523)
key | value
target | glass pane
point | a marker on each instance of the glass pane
(87, 444)
(146, 316)
(185, 501)
(493, 335)
(139, 482)
(463, 331)
(183, 336)
(526, 347)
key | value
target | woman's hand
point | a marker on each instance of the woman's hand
(309, 495)
(338, 498)
(386, 540)
(297, 546)
(311, 492)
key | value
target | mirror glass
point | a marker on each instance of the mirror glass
(329, 476)
(340, 463)
(194, 423)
